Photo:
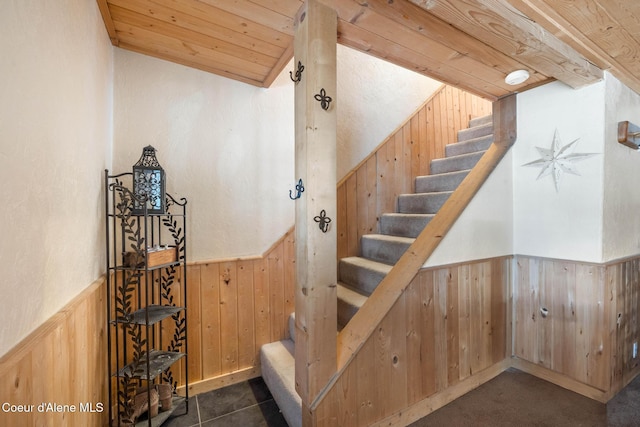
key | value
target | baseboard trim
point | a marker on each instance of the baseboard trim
(560, 380)
(220, 381)
(438, 400)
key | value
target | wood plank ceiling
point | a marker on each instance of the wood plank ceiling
(472, 44)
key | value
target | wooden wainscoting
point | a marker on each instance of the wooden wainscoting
(576, 322)
(623, 282)
(447, 333)
(234, 307)
(372, 187)
(63, 362)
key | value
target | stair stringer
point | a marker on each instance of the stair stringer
(367, 319)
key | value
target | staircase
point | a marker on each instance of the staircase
(359, 276)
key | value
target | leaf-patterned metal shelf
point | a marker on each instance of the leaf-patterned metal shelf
(159, 361)
(156, 314)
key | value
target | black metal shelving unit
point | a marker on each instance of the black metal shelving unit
(147, 328)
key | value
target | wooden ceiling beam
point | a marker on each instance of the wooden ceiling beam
(567, 22)
(499, 25)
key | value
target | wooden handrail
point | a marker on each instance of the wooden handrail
(364, 323)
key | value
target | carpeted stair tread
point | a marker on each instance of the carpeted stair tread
(349, 302)
(479, 121)
(278, 371)
(471, 146)
(422, 203)
(405, 225)
(361, 274)
(384, 248)
(455, 163)
(447, 181)
(475, 132)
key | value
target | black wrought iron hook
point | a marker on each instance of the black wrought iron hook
(299, 190)
(324, 99)
(298, 73)
(323, 221)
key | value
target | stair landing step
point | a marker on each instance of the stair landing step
(278, 371)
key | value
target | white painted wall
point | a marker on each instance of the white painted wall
(56, 71)
(621, 175)
(226, 146)
(229, 147)
(374, 98)
(485, 228)
(566, 224)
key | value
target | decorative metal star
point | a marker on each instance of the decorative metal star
(556, 160)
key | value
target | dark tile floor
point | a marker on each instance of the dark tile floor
(245, 404)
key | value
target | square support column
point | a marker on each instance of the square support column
(315, 153)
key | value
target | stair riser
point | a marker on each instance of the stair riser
(441, 182)
(421, 203)
(455, 164)
(345, 312)
(405, 227)
(359, 278)
(471, 146)
(383, 251)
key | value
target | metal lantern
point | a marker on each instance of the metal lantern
(148, 184)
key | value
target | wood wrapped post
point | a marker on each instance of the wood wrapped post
(315, 152)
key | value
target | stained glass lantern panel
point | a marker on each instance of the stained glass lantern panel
(148, 184)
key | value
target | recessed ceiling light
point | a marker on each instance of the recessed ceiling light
(516, 77)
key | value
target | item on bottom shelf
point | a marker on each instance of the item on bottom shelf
(165, 394)
(141, 404)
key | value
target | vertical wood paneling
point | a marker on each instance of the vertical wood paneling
(246, 322)
(371, 188)
(244, 303)
(194, 322)
(588, 332)
(210, 311)
(261, 297)
(228, 285)
(405, 360)
(62, 362)
(624, 282)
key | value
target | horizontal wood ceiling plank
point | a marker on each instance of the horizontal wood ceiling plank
(284, 7)
(189, 63)
(431, 27)
(255, 12)
(365, 41)
(191, 37)
(172, 47)
(212, 16)
(199, 25)
(499, 25)
(603, 29)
